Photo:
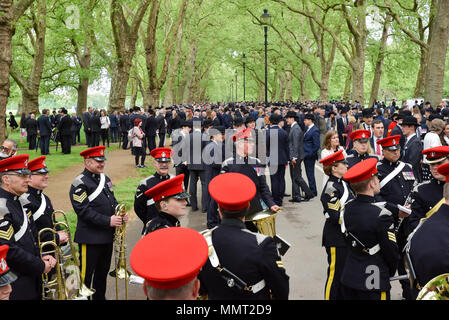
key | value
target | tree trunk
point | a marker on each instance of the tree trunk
(288, 86)
(6, 18)
(347, 89)
(189, 76)
(324, 88)
(433, 88)
(303, 95)
(134, 91)
(170, 93)
(82, 90)
(379, 62)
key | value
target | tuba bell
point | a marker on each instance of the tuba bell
(435, 289)
(75, 287)
(121, 271)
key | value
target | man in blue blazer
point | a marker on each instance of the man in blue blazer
(44, 131)
(277, 153)
(311, 147)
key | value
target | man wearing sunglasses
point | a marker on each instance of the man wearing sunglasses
(8, 149)
(17, 231)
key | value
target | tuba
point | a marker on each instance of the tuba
(75, 287)
(53, 285)
(436, 289)
(121, 271)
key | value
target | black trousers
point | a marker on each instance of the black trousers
(309, 164)
(182, 168)
(45, 145)
(105, 136)
(353, 294)
(336, 257)
(151, 142)
(161, 139)
(32, 141)
(124, 140)
(95, 142)
(194, 176)
(95, 261)
(139, 152)
(278, 184)
(298, 182)
(66, 144)
(88, 138)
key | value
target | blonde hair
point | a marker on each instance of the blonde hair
(437, 125)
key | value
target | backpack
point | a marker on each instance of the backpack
(131, 133)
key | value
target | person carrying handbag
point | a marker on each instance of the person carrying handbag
(136, 135)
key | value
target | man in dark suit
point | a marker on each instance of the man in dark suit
(31, 127)
(150, 130)
(95, 126)
(413, 146)
(162, 127)
(341, 125)
(65, 130)
(76, 122)
(124, 127)
(197, 169)
(296, 156)
(114, 126)
(378, 133)
(44, 131)
(277, 153)
(311, 147)
(87, 130)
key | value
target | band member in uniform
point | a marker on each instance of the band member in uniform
(93, 200)
(396, 182)
(170, 199)
(36, 202)
(427, 196)
(6, 276)
(170, 276)
(243, 163)
(17, 230)
(335, 194)
(430, 242)
(144, 207)
(361, 148)
(242, 265)
(373, 254)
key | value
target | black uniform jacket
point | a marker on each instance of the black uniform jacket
(144, 207)
(330, 199)
(372, 225)
(23, 257)
(354, 157)
(250, 256)
(31, 201)
(162, 220)
(94, 217)
(423, 198)
(397, 190)
(429, 246)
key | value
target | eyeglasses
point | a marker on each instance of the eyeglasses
(6, 150)
(20, 175)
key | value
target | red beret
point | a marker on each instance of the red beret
(6, 276)
(232, 191)
(14, 163)
(38, 165)
(436, 154)
(390, 143)
(161, 154)
(360, 134)
(96, 152)
(169, 258)
(332, 158)
(444, 170)
(242, 134)
(361, 171)
(169, 188)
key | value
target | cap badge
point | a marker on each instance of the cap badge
(163, 154)
(432, 154)
(3, 265)
(101, 152)
(363, 135)
(26, 163)
(394, 141)
(43, 162)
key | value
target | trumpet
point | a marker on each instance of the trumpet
(121, 271)
(436, 289)
(75, 287)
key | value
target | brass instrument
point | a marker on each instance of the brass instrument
(121, 271)
(75, 287)
(436, 289)
(53, 287)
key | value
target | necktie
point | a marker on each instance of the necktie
(378, 149)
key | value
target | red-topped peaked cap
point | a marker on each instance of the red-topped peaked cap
(161, 154)
(436, 154)
(38, 165)
(169, 258)
(332, 158)
(444, 170)
(232, 191)
(361, 171)
(171, 188)
(390, 143)
(6, 276)
(96, 153)
(243, 134)
(362, 135)
(15, 163)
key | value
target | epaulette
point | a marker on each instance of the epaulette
(330, 189)
(3, 208)
(415, 189)
(78, 180)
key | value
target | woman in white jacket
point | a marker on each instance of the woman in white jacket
(137, 135)
(105, 124)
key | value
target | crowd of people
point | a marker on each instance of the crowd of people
(384, 195)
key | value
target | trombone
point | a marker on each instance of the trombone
(121, 271)
(75, 287)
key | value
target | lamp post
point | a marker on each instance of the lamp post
(266, 20)
(244, 80)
